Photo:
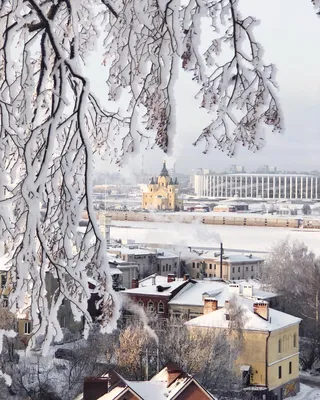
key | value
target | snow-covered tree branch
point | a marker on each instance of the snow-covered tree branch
(51, 122)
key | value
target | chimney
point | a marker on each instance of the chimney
(171, 278)
(234, 288)
(221, 255)
(247, 291)
(186, 277)
(134, 283)
(153, 279)
(261, 308)
(210, 304)
(95, 387)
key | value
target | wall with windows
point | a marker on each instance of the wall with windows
(230, 271)
(167, 266)
(152, 304)
(283, 356)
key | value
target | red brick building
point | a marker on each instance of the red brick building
(171, 383)
(155, 292)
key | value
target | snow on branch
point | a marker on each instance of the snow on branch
(235, 86)
(316, 4)
(51, 123)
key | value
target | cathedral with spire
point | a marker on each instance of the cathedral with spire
(162, 193)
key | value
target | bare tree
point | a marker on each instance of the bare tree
(51, 123)
(293, 271)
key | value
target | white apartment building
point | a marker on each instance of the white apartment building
(258, 186)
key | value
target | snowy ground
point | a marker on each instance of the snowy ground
(236, 237)
(307, 393)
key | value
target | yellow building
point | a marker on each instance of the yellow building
(269, 359)
(162, 193)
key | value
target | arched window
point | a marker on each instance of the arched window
(279, 346)
(150, 306)
(295, 340)
(140, 303)
(160, 307)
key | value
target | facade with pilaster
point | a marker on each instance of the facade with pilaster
(258, 186)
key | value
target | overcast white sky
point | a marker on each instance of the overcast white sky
(290, 32)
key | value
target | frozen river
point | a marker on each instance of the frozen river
(233, 237)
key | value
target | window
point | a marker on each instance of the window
(169, 267)
(232, 269)
(290, 368)
(251, 267)
(279, 346)
(214, 275)
(247, 268)
(198, 265)
(150, 306)
(193, 265)
(279, 372)
(215, 266)
(238, 269)
(145, 203)
(140, 303)
(295, 340)
(160, 307)
(3, 280)
(5, 302)
(27, 328)
(166, 267)
(163, 267)
(158, 267)
(210, 266)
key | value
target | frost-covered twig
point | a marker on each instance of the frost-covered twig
(51, 123)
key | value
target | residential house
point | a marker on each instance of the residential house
(269, 359)
(167, 262)
(155, 292)
(149, 261)
(171, 383)
(123, 272)
(229, 267)
(144, 258)
(189, 302)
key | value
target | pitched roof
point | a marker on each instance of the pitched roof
(159, 289)
(192, 293)
(165, 385)
(253, 322)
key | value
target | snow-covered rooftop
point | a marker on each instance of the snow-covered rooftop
(232, 258)
(156, 389)
(134, 251)
(217, 319)
(147, 286)
(192, 293)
